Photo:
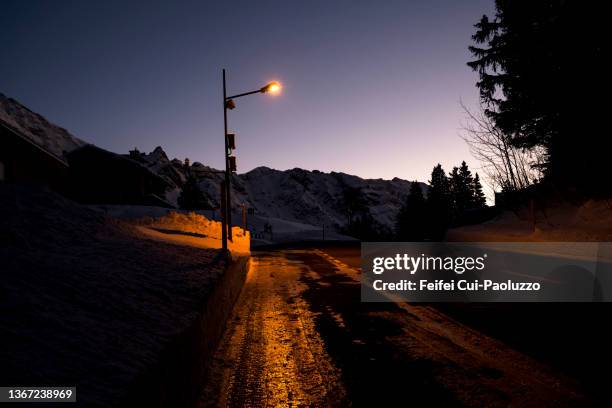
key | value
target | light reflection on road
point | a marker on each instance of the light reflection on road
(271, 354)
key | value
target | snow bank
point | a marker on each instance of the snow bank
(87, 300)
(590, 221)
(194, 230)
(206, 224)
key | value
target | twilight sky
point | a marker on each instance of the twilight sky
(371, 88)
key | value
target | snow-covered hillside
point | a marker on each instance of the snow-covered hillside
(36, 128)
(310, 197)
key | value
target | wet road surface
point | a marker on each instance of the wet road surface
(301, 337)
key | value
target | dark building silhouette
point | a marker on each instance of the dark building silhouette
(98, 176)
(23, 161)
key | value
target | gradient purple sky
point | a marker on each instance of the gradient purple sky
(371, 88)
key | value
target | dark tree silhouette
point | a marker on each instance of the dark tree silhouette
(462, 189)
(191, 197)
(360, 223)
(365, 227)
(438, 203)
(448, 199)
(354, 203)
(479, 199)
(411, 224)
(468, 182)
(541, 68)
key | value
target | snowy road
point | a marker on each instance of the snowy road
(301, 337)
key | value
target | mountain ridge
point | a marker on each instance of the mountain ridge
(311, 196)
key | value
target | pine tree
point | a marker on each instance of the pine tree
(411, 220)
(549, 98)
(462, 190)
(468, 185)
(458, 193)
(416, 194)
(438, 185)
(438, 203)
(454, 186)
(479, 198)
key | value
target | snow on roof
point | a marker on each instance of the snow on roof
(36, 128)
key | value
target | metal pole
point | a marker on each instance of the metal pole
(228, 185)
(223, 225)
(244, 217)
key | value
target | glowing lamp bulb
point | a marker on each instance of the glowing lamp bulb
(272, 87)
(275, 87)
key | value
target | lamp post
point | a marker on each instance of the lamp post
(230, 161)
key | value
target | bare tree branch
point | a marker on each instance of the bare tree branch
(504, 166)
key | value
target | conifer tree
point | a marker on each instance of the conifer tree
(438, 185)
(459, 192)
(479, 198)
(542, 95)
(438, 203)
(462, 190)
(468, 184)
(411, 220)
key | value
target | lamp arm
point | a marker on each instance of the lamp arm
(243, 94)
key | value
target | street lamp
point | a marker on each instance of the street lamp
(230, 161)
(272, 87)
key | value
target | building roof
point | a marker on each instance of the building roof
(36, 129)
(27, 140)
(90, 150)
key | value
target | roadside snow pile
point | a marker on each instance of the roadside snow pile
(194, 230)
(190, 222)
(86, 300)
(590, 221)
(36, 128)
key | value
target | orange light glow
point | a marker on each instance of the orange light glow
(274, 87)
